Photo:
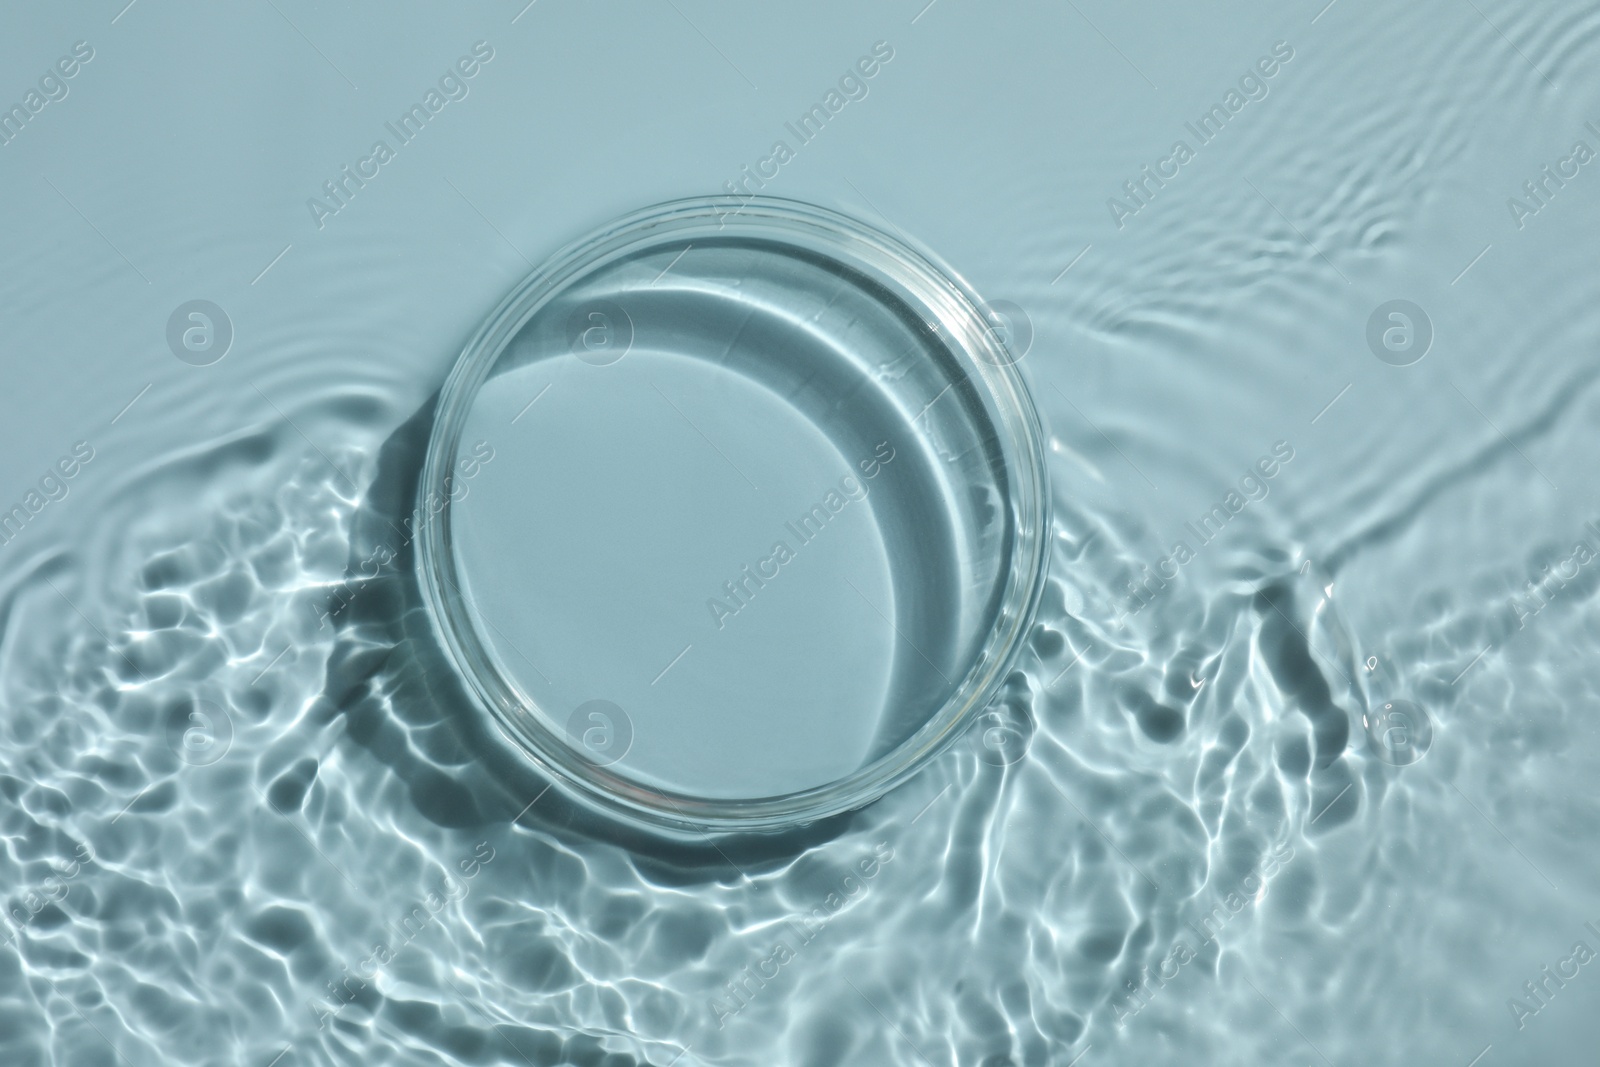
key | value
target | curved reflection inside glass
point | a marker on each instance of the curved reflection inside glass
(735, 520)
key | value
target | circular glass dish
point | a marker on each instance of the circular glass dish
(740, 514)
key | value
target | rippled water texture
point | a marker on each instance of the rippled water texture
(1296, 768)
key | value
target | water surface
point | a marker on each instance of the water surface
(247, 819)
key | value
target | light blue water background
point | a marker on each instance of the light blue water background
(1188, 853)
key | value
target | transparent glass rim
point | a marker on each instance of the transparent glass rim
(914, 273)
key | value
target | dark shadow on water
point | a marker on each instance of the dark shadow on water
(1288, 655)
(402, 700)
